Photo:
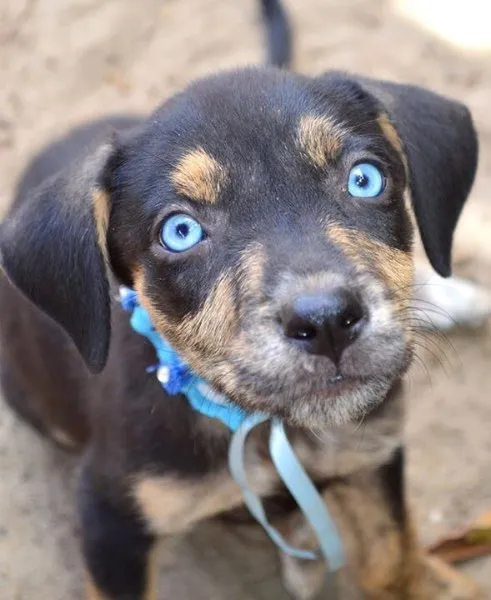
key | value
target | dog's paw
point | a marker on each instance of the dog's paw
(301, 579)
(310, 580)
(443, 304)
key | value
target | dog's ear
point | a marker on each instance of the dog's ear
(53, 248)
(441, 148)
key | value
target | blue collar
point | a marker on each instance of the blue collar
(176, 377)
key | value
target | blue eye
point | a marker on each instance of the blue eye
(365, 180)
(181, 232)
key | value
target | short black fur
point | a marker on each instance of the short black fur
(393, 480)
(115, 544)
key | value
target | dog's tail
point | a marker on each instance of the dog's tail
(278, 33)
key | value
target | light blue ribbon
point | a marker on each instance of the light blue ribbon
(251, 499)
(299, 485)
(306, 495)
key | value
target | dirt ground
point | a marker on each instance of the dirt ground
(63, 62)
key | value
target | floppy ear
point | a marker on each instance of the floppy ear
(53, 249)
(441, 147)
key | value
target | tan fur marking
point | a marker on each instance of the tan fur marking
(252, 261)
(212, 327)
(390, 132)
(171, 505)
(152, 574)
(408, 204)
(199, 176)
(101, 209)
(395, 266)
(319, 138)
(160, 321)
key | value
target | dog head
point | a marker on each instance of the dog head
(266, 221)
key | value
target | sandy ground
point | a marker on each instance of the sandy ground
(63, 62)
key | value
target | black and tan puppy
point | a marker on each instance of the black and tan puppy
(266, 221)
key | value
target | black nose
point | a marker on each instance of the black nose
(324, 323)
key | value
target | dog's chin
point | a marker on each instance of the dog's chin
(344, 400)
(347, 401)
(310, 394)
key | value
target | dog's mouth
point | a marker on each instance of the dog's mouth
(338, 386)
(334, 400)
(340, 382)
(335, 387)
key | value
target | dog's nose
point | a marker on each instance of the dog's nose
(324, 323)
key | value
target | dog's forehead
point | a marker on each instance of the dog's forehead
(243, 128)
(243, 138)
(247, 111)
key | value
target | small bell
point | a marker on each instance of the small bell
(163, 374)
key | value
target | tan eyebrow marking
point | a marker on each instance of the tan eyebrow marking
(390, 133)
(199, 176)
(319, 138)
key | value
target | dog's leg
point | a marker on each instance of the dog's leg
(120, 530)
(383, 559)
(117, 549)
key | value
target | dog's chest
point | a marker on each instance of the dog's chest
(171, 504)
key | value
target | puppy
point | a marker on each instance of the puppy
(265, 220)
